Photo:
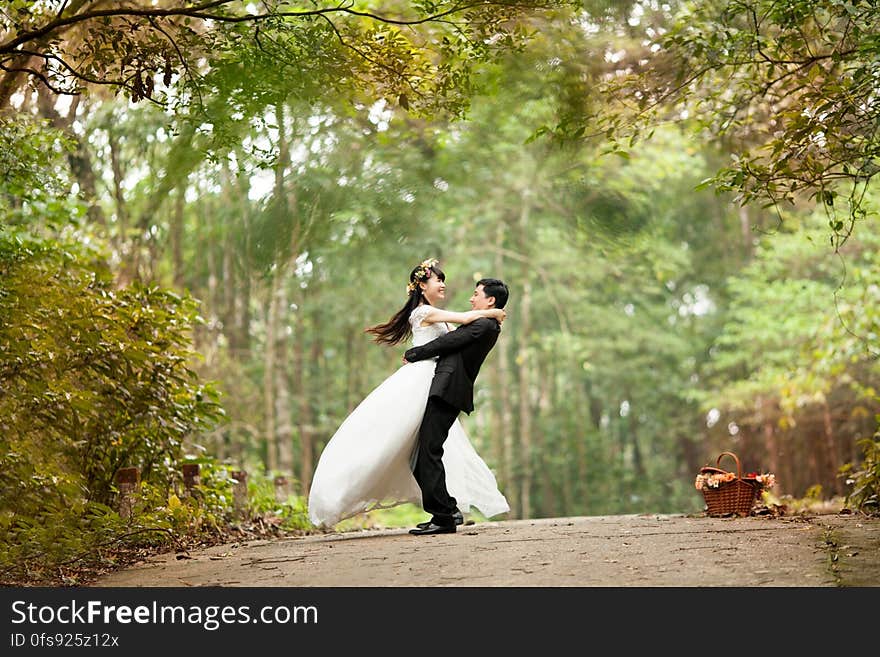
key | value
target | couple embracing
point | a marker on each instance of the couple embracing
(404, 442)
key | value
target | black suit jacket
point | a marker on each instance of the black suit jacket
(461, 353)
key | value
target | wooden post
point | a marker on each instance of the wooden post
(239, 493)
(281, 488)
(127, 480)
(190, 478)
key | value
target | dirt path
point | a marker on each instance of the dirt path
(615, 551)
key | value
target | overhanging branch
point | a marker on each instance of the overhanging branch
(203, 12)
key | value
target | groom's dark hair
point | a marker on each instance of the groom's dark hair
(492, 287)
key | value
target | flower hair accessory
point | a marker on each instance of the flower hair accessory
(422, 273)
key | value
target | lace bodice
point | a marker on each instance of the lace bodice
(424, 334)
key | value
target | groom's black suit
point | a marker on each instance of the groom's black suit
(461, 353)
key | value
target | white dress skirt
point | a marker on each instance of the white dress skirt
(368, 462)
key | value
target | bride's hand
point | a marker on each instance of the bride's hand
(499, 314)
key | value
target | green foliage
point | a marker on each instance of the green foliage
(37, 544)
(29, 157)
(53, 543)
(292, 181)
(864, 478)
(402, 515)
(416, 55)
(797, 354)
(207, 507)
(33, 177)
(95, 378)
(781, 83)
(263, 501)
(800, 320)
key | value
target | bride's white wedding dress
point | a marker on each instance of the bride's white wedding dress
(367, 464)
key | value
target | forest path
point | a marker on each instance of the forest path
(605, 551)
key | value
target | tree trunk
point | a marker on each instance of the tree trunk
(320, 382)
(633, 421)
(283, 404)
(301, 391)
(547, 393)
(116, 167)
(745, 230)
(231, 204)
(505, 411)
(350, 383)
(80, 159)
(579, 436)
(241, 337)
(13, 80)
(770, 444)
(496, 443)
(495, 420)
(154, 246)
(788, 472)
(813, 447)
(241, 348)
(525, 406)
(207, 215)
(269, 377)
(285, 270)
(176, 234)
(506, 429)
(831, 447)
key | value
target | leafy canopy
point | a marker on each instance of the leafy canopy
(788, 86)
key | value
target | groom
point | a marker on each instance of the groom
(461, 353)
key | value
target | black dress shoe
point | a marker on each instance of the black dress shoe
(459, 520)
(432, 529)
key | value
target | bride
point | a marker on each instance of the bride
(368, 462)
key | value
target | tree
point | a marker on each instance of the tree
(419, 54)
(788, 86)
(794, 369)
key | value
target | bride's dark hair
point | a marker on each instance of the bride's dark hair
(397, 329)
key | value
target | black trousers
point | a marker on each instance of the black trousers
(429, 471)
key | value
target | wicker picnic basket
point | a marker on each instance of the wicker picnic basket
(737, 496)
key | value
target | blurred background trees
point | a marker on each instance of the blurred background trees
(194, 235)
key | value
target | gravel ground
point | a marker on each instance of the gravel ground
(597, 551)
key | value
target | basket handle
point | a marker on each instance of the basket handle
(731, 454)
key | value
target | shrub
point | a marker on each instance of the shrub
(92, 379)
(864, 478)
